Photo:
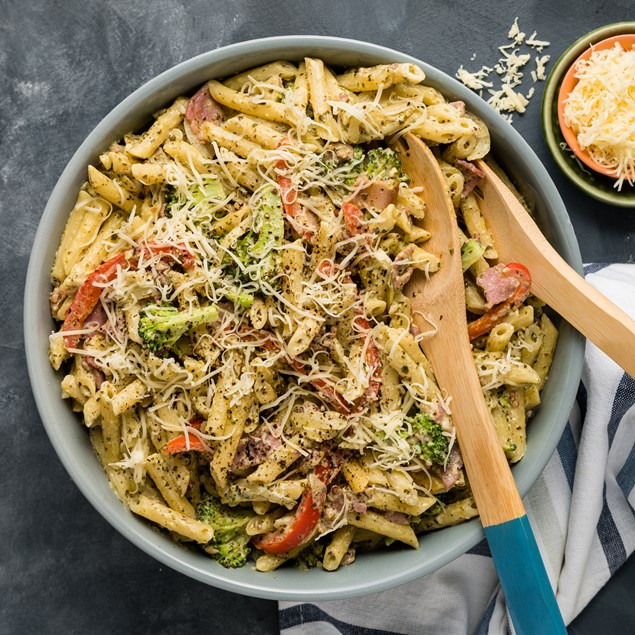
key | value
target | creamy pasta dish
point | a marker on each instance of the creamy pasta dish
(232, 293)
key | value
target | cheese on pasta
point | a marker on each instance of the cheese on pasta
(298, 238)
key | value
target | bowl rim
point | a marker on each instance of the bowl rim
(594, 185)
(70, 442)
(569, 82)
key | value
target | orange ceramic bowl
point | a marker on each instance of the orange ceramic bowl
(569, 82)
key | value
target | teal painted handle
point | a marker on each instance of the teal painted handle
(530, 599)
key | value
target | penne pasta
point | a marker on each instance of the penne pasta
(112, 191)
(150, 141)
(231, 289)
(381, 525)
(381, 76)
(170, 519)
(269, 110)
(337, 548)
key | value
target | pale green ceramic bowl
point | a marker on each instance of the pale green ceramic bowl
(371, 572)
(593, 183)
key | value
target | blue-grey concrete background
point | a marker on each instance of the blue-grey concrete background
(63, 65)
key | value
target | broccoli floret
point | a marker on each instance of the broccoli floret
(434, 510)
(259, 245)
(310, 557)
(383, 164)
(161, 326)
(433, 446)
(242, 298)
(378, 164)
(471, 251)
(208, 191)
(269, 222)
(233, 554)
(230, 541)
(199, 194)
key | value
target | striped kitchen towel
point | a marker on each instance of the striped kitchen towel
(581, 509)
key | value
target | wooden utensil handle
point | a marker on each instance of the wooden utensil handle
(491, 480)
(521, 571)
(583, 306)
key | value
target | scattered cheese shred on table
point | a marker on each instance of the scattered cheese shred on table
(509, 67)
(600, 110)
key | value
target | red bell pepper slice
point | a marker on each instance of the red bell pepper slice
(497, 314)
(288, 194)
(353, 219)
(89, 292)
(373, 361)
(326, 390)
(179, 252)
(186, 442)
(307, 514)
(88, 295)
(326, 268)
(289, 198)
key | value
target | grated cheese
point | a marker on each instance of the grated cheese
(600, 110)
(509, 67)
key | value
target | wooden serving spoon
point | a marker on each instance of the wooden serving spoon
(518, 238)
(438, 307)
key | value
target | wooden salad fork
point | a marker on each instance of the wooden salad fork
(438, 308)
(518, 238)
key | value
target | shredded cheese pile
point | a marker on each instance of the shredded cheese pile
(510, 68)
(601, 110)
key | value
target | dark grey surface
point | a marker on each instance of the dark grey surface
(64, 65)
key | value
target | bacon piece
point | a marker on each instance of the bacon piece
(398, 518)
(56, 299)
(497, 286)
(255, 450)
(203, 107)
(499, 311)
(450, 474)
(98, 316)
(358, 505)
(472, 175)
(459, 105)
(401, 270)
(376, 195)
(303, 221)
(90, 364)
